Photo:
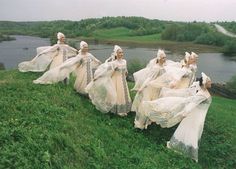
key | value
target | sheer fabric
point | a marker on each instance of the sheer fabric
(189, 107)
(174, 77)
(81, 66)
(60, 72)
(54, 55)
(141, 75)
(84, 72)
(187, 135)
(101, 90)
(146, 93)
(109, 91)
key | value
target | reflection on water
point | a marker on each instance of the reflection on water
(19, 50)
(217, 66)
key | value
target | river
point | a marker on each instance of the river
(219, 67)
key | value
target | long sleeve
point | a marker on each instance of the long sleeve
(95, 59)
(152, 76)
(71, 62)
(104, 69)
(51, 49)
(59, 73)
(72, 49)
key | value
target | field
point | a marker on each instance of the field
(54, 127)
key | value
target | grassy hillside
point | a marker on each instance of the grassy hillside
(54, 127)
(122, 33)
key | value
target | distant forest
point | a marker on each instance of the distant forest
(196, 32)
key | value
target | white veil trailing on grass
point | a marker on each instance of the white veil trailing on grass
(101, 90)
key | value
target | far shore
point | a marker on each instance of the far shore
(175, 47)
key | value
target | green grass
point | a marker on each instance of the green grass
(122, 33)
(52, 126)
(112, 33)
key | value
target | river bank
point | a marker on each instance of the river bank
(6, 38)
(175, 47)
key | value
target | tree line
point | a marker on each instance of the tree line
(196, 32)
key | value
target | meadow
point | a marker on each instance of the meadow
(52, 126)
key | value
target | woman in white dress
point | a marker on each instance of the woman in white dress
(193, 66)
(190, 68)
(84, 71)
(141, 75)
(189, 132)
(49, 55)
(177, 75)
(147, 92)
(187, 106)
(109, 91)
(81, 65)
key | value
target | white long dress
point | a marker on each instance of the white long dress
(102, 90)
(189, 111)
(187, 135)
(109, 92)
(48, 55)
(84, 72)
(146, 93)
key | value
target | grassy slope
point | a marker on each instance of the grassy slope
(54, 127)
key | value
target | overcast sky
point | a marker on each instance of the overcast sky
(176, 10)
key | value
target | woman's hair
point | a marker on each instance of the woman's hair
(157, 61)
(200, 80)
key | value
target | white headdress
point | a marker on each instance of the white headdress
(116, 48)
(205, 78)
(83, 44)
(160, 53)
(187, 56)
(114, 53)
(194, 55)
(60, 35)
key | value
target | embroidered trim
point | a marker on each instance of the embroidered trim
(125, 85)
(122, 108)
(186, 150)
(89, 73)
(64, 54)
